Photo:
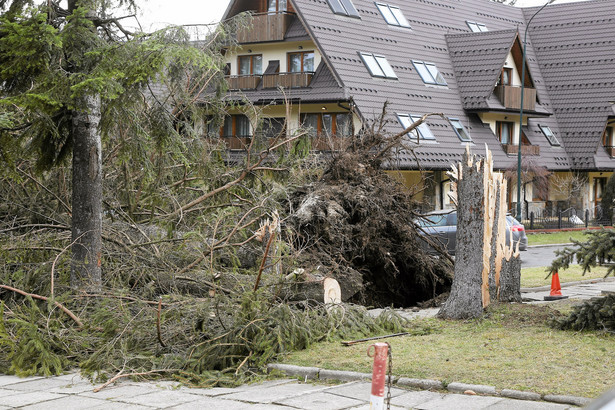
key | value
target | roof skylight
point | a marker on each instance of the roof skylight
(344, 8)
(460, 130)
(476, 27)
(378, 66)
(429, 73)
(420, 132)
(393, 15)
(549, 134)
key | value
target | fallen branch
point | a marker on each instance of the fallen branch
(35, 296)
(158, 323)
(352, 342)
(120, 375)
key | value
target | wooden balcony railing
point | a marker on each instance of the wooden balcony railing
(243, 82)
(265, 27)
(287, 80)
(236, 143)
(610, 150)
(510, 97)
(525, 149)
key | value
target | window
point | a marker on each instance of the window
(429, 73)
(250, 65)
(393, 15)
(476, 27)
(235, 126)
(460, 130)
(277, 6)
(504, 131)
(378, 66)
(607, 137)
(273, 127)
(301, 62)
(327, 124)
(549, 134)
(505, 76)
(421, 132)
(343, 7)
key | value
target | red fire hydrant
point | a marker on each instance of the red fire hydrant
(380, 354)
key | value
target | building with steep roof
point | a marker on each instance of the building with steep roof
(330, 66)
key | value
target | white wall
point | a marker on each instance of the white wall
(271, 51)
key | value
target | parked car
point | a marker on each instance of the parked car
(442, 225)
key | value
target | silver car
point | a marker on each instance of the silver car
(442, 226)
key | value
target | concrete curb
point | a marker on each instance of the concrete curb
(315, 373)
(549, 245)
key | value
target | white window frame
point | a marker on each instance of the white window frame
(423, 132)
(393, 15)
(343, 8)
(476, 27)
(548, 133)
(378, 66)
(429, 73)
(460, 130)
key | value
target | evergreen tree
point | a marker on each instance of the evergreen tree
(68, 76)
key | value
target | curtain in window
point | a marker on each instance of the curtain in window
(242, 126)
(343, 125)
(310, 123)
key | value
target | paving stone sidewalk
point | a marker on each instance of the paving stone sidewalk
(72, 392)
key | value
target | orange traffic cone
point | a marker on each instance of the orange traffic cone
(556, 288)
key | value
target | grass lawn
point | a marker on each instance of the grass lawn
(555, 237)
(511, 347)
(532, 277)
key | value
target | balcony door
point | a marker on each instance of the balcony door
(276, 6)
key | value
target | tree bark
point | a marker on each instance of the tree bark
(87, 195)
(466, 298)
(510, 279)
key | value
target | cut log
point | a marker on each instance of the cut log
(323, 290)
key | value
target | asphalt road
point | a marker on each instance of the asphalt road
(539, 255)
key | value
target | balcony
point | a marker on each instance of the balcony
(265, 27)
(236, 143)
(530, 150)
(610, 150)
(287, 80)
(243, 82)
(510, 97)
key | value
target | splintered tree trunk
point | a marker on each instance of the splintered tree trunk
(498, 238)
(510, 279)
(87, 195)
(466, 298)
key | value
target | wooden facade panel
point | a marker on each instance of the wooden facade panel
(510, 97)
(265, 27)
(525, 149)
(287, 80)
(243, 82)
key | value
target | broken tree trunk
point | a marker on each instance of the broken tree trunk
(469, 285)
(498, 238)
(510, 276)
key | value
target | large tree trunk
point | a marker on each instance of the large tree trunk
(467, 293)
(87, 195)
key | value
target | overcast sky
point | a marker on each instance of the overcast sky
(159, 13)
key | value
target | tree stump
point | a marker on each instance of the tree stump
(510, 278)
(466, 297)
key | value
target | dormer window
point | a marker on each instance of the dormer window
(460, 130)
(420, 132)
(608, 136)
(505, 76)
(393, 15)
(504, 131)
(378, 66)
(476, 27)
(276, 6)
(549, 134)
(344, 8)
(429, 73)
